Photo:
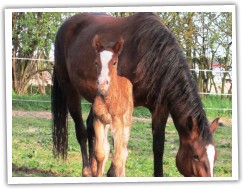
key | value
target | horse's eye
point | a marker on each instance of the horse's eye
(195, 157)
(114, 63)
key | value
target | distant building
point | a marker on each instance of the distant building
(218, 71)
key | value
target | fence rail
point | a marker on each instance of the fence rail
(45, 60)
(217, 71)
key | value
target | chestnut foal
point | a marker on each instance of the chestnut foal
(112, 108)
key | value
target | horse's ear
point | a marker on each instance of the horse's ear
(117, 48)
(214, 125)
(191, 124)
(97, 44)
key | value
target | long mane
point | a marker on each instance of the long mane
(164, 73)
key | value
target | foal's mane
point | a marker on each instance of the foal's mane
(163, 72)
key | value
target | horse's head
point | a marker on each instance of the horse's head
(107, 52)
(197, 153)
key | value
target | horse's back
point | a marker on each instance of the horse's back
(85, 25)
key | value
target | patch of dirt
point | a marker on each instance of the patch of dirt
(31, 130)
(39, 114)
(33, 171)
(47, 115)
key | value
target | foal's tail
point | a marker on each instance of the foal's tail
(59, 117)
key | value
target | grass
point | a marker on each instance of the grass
(32, 151)
(218, 102)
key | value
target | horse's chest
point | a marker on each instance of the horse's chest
(117, 107)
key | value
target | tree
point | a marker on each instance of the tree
(33, 36)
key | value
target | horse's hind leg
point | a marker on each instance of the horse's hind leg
(159, 119)
(74, 106)
(91, 142)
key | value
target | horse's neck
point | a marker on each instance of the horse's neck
(190, 125)
(184, 108)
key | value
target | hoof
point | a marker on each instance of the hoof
(94, 167)
(86, 172)
(111, 172)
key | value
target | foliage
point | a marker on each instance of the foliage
(33, 36)
(206, 38)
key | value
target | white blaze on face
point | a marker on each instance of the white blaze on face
(105, 57)
(211, 153)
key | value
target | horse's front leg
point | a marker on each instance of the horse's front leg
(126, 135)
(127, 119)
(159, 119)
(100, 151)
(119, 155)
(102, 117)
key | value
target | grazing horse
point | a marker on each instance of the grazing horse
(112, 108)
(162, 82)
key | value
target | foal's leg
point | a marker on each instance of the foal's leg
(100, 152)
(159, 119)
(127, 128)
(106, 146)
(117, 131)
(126, 135)
(74, 106)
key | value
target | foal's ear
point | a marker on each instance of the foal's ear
(117, 48)
(214, 125)
(97, 44)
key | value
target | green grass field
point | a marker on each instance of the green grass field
(32, 145)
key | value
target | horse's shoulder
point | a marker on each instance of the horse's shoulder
(124, 82)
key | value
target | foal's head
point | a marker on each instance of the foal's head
(106, 61)
(197, 152)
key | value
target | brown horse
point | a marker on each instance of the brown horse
(112, 108)
(154, 63)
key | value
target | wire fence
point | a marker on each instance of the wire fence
(86, 103)
(45, 60)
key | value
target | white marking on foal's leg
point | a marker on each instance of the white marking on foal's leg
(125, 151)
(105, 57)
(211, 153)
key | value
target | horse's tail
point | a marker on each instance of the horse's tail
(59, 117)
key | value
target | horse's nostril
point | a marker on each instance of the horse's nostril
(106, 82)
(97, 82)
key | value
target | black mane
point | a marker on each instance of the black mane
(167, 77)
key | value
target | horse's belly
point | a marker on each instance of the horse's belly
(87, 89)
